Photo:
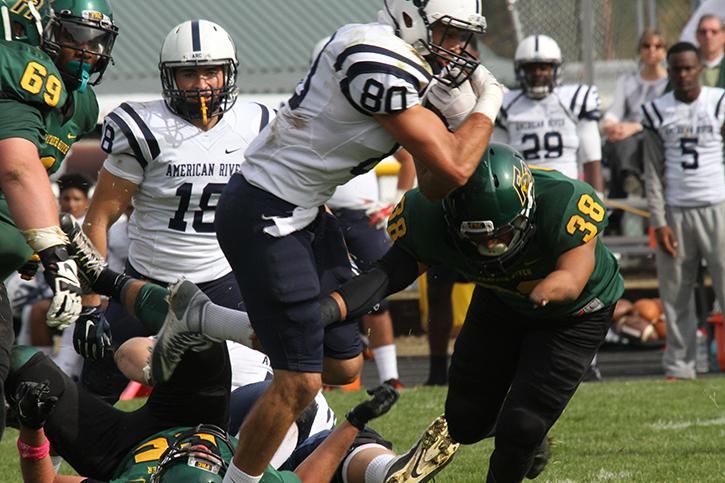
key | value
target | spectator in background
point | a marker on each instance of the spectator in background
(685, 186)
(73, 198)
(711, 38)
(623, 121)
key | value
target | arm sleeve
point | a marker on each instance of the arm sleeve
(654, 172)
(590, 143)
(392, 273)
(21, 120)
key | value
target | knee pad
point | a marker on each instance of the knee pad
(467, 424)
(522, 428)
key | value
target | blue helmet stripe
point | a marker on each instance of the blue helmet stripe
(195, 38)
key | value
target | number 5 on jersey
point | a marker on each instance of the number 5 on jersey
(591, 211)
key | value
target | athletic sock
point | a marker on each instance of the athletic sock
(386, 362)
(375, 472)
(150, 306)
(223, 323)
(235, 475)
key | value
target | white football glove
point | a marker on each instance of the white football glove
(488, 91)
(453, 103)
(61, 273)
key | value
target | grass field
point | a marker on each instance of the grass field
(616, 431)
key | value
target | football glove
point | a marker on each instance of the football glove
(383, 398)
(61, 273)
(30, 268)
(34, 403)
(453, 104)
(92, 334)
(488, 91)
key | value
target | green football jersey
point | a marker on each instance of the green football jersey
(568, 214)
(36, 106)
(141, 462)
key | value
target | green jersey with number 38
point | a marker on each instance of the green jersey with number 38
(36, 105)
(568, 214)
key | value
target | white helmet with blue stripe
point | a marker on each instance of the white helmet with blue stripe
(413, 20)
(537, 49)
(198, 43)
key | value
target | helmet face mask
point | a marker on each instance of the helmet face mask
(79, 37)
(490, 218)
(533, 55)
(415, 20)
(195, 456)
(198, 44)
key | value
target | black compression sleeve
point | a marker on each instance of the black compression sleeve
(395, 271)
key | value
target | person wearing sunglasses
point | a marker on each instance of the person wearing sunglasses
(710, 36)
(623, 120)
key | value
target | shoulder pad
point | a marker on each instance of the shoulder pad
(255, 115)
(381, 74)
(126, 130)
(29, 75)
(652, 118)
(581, 100)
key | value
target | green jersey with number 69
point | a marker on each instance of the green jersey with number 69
(189, 455)
(567, 214)
(35, 103)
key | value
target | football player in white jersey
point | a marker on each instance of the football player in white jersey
(361, 98)
(172, 157)
(551, 125)
(685, 186)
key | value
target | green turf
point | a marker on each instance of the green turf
(615, 431)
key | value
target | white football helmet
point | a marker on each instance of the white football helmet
(413, 20)
(537, 49)
(198, 43)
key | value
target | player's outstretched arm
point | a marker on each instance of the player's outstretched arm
(25, 184)
(323, 462)
(392, 273)
(566, 282)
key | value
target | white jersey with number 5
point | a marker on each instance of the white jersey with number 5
(180, 171)
(545, 130)
(326, 133)
(693, 146)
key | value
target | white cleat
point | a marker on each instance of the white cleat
(430, 454)
(186, 303)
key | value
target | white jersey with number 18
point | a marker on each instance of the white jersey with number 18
(180, 171)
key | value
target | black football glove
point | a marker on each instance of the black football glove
(384, 396)
(92, 334)
(34, 403)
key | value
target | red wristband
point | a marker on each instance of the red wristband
(32, 453)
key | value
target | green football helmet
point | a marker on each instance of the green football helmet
(491, 216)
(76, 32)
(22, 20)
(199, 455)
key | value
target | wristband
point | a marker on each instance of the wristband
(33, 453)
(41, 238)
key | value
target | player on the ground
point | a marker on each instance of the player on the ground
(50, 56)
(171, 158)
(174, 437)
(359, 101)
(553, 126)
(546, 289)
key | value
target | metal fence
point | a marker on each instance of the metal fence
(598, 38)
